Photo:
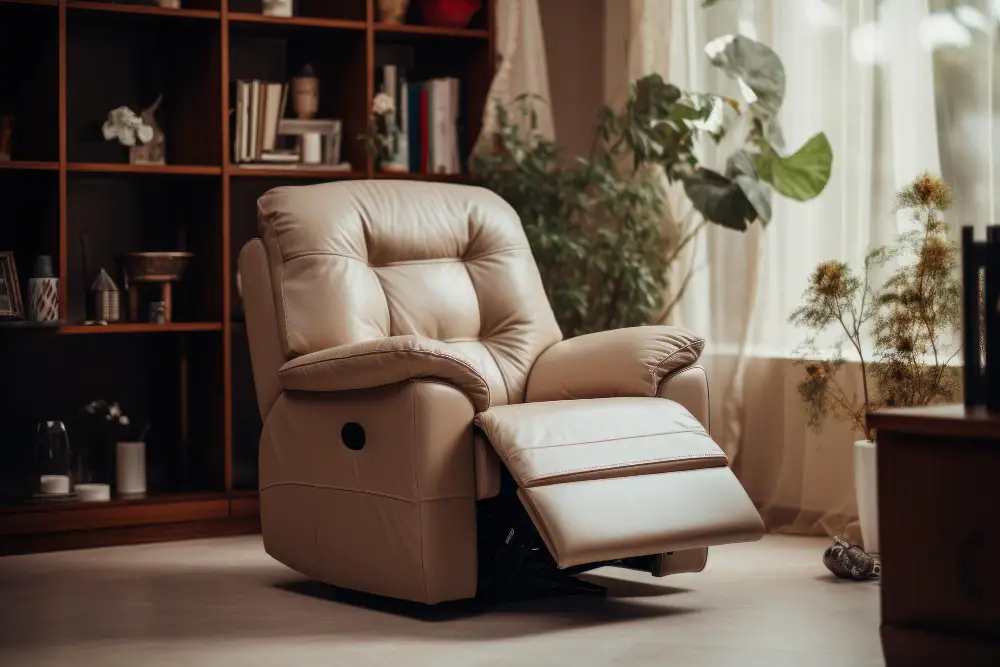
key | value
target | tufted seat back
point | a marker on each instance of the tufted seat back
(363, 260)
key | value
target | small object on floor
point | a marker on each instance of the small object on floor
(848, 561)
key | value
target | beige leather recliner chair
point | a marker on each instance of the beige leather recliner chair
(415, 395)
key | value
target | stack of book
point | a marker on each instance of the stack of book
(260, 106)
(430, 118)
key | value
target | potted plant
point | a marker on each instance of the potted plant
(901, 333)
(381, 139)
(599, 225)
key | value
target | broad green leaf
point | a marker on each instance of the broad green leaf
(754, 66)
(802, 175)
(758, 194)
(719, 199)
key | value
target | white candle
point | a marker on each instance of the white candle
(54, 484)
(93, 493)
(131, 468)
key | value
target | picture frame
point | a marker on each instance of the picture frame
(11, 305)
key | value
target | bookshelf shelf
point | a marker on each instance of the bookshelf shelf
(143, 10)
(294, 172)
(167, 169)
(140, 328)
(238, 19)
(29, 165)
(37, 3)
(68, 194)
(427, 31)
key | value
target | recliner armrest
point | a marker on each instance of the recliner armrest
(384, 361)
(606, 364)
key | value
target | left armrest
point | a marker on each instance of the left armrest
(620, 362)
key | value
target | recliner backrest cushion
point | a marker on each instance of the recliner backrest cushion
(359, 260)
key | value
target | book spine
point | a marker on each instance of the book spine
(973, 389)
(425, 122)
(992, 317)
(403, 146)
(413, 125)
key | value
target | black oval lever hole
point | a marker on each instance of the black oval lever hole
(353, 435)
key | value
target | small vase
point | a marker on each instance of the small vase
(282, 8)
(866, 492)
(392, 11)
(169, 4)
(305, 94)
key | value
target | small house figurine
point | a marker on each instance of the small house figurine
(106, 298)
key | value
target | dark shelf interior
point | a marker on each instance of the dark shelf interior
(349, 10)
(29, 90)
(52, 378)
(115, 60)
(141, 214)
(30, 225)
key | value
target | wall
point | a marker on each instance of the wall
(574, 47)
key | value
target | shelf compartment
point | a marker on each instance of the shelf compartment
(36, 3)
(29, 79)
(30, 225)
(114, 60)
(172, 383)
(139, 328)
(144, 10)
(122, 215)
(168, 169)
(340, 64)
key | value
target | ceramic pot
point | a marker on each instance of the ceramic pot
(392, 11)
(866, 492)
(449, 13)
(305, 96)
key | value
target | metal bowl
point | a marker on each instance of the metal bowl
(156, 267)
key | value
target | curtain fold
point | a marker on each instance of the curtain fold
(522, 68)
(855, 70)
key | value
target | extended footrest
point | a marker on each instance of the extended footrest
(605, 479)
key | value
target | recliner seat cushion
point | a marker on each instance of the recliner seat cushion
(564, 441)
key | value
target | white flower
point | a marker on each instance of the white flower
(114, 410)
(383, 104)
(123, 124)
(123, 421)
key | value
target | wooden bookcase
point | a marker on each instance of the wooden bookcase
(66, 63)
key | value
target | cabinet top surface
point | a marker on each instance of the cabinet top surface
(953, 419)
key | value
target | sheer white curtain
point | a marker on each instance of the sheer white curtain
(522, 67)
(862, 72)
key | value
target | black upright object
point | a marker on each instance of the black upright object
(975, 389)
(992, 317)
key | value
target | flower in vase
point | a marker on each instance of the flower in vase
(126, 126)
(383, 105)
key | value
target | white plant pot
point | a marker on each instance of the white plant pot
(866, 492)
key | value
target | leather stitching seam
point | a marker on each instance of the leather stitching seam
(656, 383)
(630, 464)
(693, 431)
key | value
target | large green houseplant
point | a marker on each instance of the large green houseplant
(598, 224)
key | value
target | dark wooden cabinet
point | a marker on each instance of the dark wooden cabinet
(939, 518)
(65, 64)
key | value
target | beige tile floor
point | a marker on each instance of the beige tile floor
(225, 602)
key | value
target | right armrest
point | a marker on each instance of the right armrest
(375, 363)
